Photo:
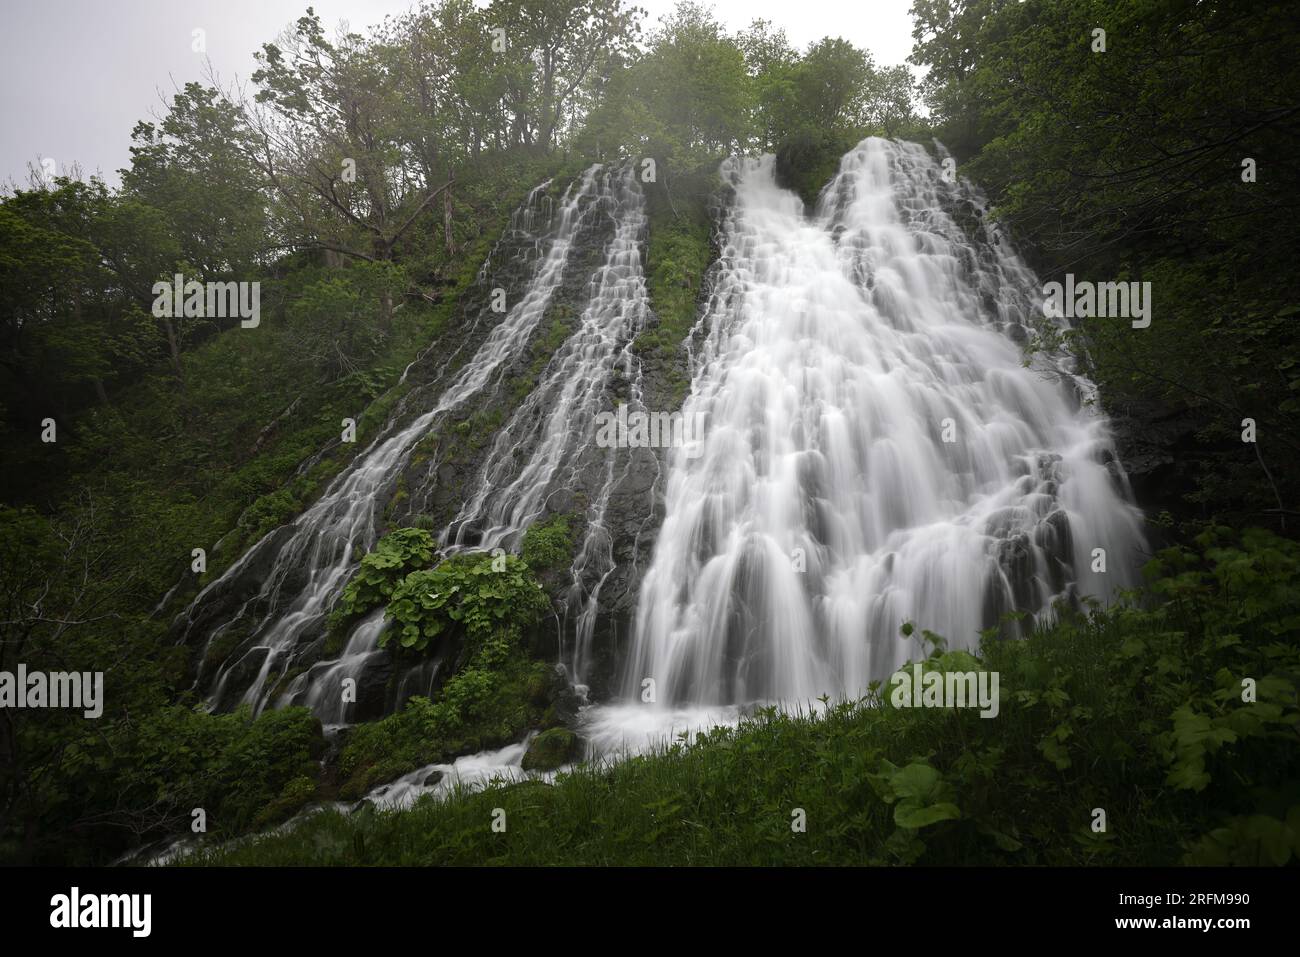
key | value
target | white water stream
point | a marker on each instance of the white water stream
(313, 563)
(877, 451)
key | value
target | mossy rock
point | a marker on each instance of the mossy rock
(296, 794)
(281, 684)
(222, 646)
(551, 749)
(806, 162)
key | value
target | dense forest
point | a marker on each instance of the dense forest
(382, 188)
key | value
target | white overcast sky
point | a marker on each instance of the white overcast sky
(76, 75)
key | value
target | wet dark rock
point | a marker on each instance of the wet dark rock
(565, 702)
(552, 749)
(372, 688)
(241, 676)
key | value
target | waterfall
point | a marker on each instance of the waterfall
(308, 562)
(549, 442)
(876, 449)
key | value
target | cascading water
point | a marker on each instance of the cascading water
(311, 560)
(549, 443)
(876, 451)
(555, 423)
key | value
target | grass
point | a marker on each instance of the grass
(1137, 712)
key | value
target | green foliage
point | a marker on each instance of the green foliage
(1259, 840)
(486, 605)
(473, 593)
(394, 556)
(133, 486)
(488, 703)
(341, 320)
(1113, 689)
(270, 511)
(548, 545)
(194, 167)
(918, 792)
(806, 161)
(140, 780)
(677, 257)
(698, 93)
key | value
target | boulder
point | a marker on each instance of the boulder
(552, 749)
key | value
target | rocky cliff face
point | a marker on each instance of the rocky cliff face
(595, 306)
(235, 625)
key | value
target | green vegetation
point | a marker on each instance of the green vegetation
(174, 463)
(700, 93)
(677, 257)
(1139, 711)
(474, 592)
(548, 545)
(557, 327)
(491, 701)
(383, 568)
(363, 201)
(806, 162)
(480, 611)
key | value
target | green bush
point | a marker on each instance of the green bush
(493, 700)
(145, 778)
(548, 545)
(475, 592)
(383, 567)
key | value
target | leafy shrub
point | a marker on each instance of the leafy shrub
(494, 699)
(268, 512)
(548, 545)
(476, 592)
(393, 557)
(145, 777)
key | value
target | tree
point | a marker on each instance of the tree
(831, 84)
(558, 43)
(889, 103)
(329, 143)
(195, 167)
(78, 267)
(772, 64)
